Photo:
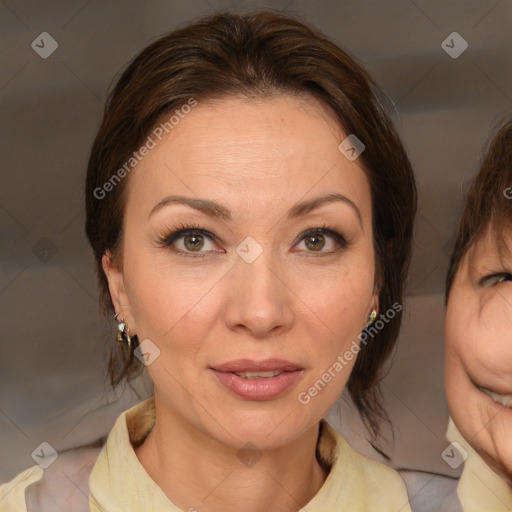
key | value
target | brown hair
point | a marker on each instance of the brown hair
(488, 198)
(259, 54)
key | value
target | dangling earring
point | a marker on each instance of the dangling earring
(123, 332)
(371, 318)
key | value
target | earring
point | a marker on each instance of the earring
(371, 317)
(123, 332)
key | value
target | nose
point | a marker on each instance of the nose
(259, 300)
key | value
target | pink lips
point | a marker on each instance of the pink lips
(258, 389)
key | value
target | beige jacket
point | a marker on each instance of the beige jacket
(112, 479)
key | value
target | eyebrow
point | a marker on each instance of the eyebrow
(214, 209)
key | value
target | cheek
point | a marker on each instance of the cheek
(165, 299)
(340, 296)
(465, 339)
(478, 345)
(455, 335)
(458, 349)
(343, 306)
(485, 339)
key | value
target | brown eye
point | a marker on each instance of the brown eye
(193, 242)
(315, 242)
(190, 241)
(322, 240)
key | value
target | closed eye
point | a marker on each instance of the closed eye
(494, 279)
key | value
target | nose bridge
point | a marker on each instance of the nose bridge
(260, 300)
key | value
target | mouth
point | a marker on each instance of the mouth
(250, 369)
(258, 375)
(504, 400)
(258, 380)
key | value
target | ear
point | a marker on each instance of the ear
(377, 287)
(120, 299)
(375, 303)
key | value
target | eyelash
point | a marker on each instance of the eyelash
(181, 230)
(499, 275)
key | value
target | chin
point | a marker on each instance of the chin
(266, 429)
(268, 425)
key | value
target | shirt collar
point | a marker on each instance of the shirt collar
(479, 488)
(119, 482)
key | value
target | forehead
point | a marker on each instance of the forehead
(269, 113)
(272, 147)
(234, 129)
(492, 246)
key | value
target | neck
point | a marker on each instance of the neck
(285, 478)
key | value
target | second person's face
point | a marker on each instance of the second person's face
(478, 367)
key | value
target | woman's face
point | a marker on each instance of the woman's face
(251, 290)
(478, 371)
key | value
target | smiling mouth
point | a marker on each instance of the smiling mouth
(505, 400)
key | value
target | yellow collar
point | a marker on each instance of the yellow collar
(480, 488)
(119, 482)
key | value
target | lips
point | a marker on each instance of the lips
(258, 380)
(248, 365)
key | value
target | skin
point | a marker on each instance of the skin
(257, 158)
(479, 352)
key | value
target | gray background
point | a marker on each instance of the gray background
(53, 340)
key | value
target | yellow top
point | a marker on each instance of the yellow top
(480, 489)
(119, 483)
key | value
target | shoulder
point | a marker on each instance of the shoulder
(63, 486)
(377, 486)
(12, 493)
(369, 469)
(376, 474)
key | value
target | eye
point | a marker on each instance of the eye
(316, 239)
(494, 279)
(189, 239)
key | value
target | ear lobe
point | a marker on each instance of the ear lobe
(117, 290)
